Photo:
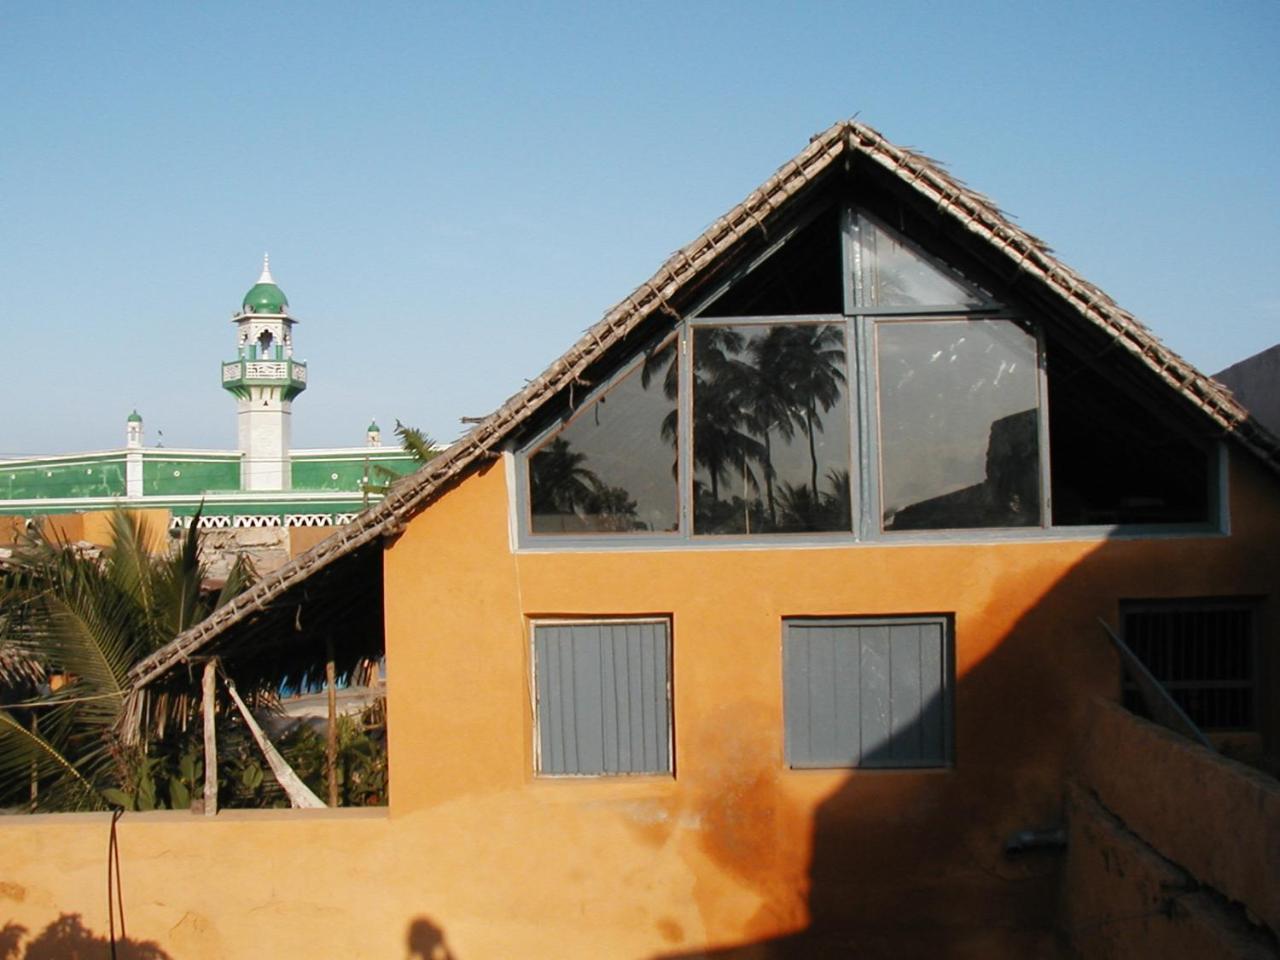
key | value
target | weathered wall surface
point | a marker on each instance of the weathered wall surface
(1121, 899)
(1200, 792)
(734, 850)
(1155, 820)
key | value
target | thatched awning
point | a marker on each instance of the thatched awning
(261, 624)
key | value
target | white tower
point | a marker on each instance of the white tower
(133, 456)
(264, 379)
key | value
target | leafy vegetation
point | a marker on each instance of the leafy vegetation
(80, 619)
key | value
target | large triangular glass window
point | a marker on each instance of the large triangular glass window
(889, 272)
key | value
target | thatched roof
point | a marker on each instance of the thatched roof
(968, 218)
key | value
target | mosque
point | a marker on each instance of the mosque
(264, 483)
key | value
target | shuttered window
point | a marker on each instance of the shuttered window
(867, 692)
(603, 697)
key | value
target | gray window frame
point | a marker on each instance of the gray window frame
(534, 623)
(860, 323)
(946, 622)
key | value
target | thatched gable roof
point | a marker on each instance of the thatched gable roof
(1006, 249)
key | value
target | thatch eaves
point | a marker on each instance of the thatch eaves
(1005, 248)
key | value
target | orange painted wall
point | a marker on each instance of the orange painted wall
(90, 526)
(768, 850)
(733, 849)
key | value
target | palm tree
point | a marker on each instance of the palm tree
(811, 360)
(87, 617)
(558, 481)
(772, 408)
(412, 440)
(722, 394)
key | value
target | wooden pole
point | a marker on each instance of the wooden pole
(210, 741)
(35, 767)
(331, 739)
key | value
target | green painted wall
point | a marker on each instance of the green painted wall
(173, 477)
(96, 478)
(349, 474)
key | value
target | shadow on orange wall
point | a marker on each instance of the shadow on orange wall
(425, 941)
(914, 863)
(68, 937)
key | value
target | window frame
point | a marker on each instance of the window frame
(861, 324)
(666, 621)
(946, 621)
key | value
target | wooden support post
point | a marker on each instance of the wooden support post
(331, 741)
(210, 741)
(35, 768)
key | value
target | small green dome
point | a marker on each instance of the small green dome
(264, 296)
(134, 417)
(373, 427)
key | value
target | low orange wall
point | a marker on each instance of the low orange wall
(1200, 794)
(93, 526)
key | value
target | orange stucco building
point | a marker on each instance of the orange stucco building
(673, 671)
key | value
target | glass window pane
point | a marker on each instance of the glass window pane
(892, 274)
(612, 468)
(770, 429)
(1111, 460)
(803, 276)
(958, 425)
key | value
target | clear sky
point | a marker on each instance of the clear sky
(450, 194)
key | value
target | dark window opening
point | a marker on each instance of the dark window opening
(804, 276)
(1114, 462)
(1204, 653)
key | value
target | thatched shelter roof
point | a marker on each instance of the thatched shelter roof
(330, 573)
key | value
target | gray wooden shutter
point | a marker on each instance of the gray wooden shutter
(866, 693)
(603, 697)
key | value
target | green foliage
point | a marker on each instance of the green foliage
(86, 617)
(362, 761)
(412, 440)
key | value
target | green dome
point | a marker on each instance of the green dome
(134, 418)
(373, 427)
(264, 296)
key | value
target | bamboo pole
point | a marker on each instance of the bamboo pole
(210, 740)
(299, 793)
(35, 767)
(331, 735)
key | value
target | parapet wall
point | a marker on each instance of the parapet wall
(1174, 851)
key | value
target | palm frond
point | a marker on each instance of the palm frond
(25, 755)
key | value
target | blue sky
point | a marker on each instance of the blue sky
(451, 194)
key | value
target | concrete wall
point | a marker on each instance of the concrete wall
(734, 852)
(1123, 900)
(1188, 811)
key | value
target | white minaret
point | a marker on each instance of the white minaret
(264, 379)
(133, 456)
(373, 436)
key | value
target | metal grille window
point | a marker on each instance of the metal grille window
(867, 692)
(1204, 652)
(603, 697)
